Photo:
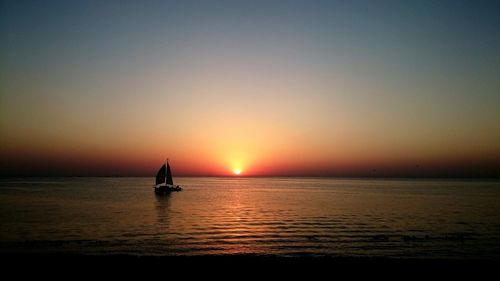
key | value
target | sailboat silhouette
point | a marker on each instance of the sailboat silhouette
(164, 181)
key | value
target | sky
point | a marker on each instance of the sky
(270, 88)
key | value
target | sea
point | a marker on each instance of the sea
(283, 217)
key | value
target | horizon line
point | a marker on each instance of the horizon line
(261, 176)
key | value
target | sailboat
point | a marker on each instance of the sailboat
(164, 181)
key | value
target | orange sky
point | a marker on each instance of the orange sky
(270, 91)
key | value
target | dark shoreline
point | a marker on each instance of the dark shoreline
(243, 258)
(243, 266)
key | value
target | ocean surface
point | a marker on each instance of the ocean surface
(457, 219)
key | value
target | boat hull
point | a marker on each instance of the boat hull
(160, 189)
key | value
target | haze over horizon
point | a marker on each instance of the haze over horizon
(288, 88)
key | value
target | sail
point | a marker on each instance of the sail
(169, 175)
(160, 176)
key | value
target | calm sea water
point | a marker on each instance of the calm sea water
(260, 216)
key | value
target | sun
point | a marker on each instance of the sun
(237, 171)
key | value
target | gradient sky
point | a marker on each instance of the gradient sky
(321, 88)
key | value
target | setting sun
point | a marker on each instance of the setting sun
(237, 171)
